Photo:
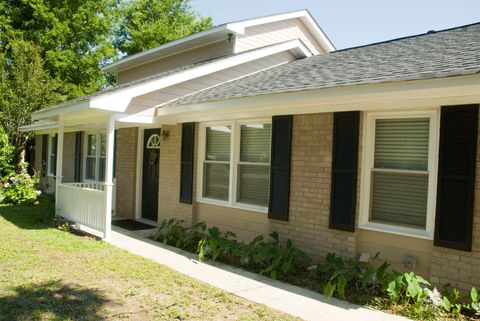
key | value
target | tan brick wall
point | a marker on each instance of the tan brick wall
(169, 187)
(310, 190)
(126, 171)
(459, 268)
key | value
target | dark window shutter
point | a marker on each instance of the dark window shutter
(281, 150)
(78, 156)
(44, 154)
(186, 163)
(54, 152)
(343, 196)
(456, 177)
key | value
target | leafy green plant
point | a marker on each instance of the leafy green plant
(215, 244)
(20, 188)
(339, 273)
(172, 232)
(407, 289)
(268, 257)
(474, 305)
(343, 277)
(6, 154)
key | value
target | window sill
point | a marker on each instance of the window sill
(239, 206)
(398, 230)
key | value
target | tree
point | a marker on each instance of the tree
(25, 87)
(145, 24)
(73, 37)
(52, 50)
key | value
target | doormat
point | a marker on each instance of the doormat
(132, 225)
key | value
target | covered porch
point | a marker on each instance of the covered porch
(88, 198)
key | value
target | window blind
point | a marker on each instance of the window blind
(400, 174)
(218, 143)
(399, 198)
(254, 167)
(402, 143)
(255, 143)
(216, 179)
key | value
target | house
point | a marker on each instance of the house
(261, 125)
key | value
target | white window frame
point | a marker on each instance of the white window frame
(97, 155)
(234, 164)
(51, 152)
(368, 155)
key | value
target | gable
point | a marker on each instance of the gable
(276, 32)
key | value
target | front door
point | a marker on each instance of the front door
(150, 177)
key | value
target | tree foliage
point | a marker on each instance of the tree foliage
(52, 50)
(73, 38)
(144, 24)
(25, 87)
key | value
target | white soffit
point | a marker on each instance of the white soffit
(119, 100)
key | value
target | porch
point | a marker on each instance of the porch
(86, 184)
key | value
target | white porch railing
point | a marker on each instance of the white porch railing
(84, 203)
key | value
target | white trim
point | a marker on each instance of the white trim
(156, 52)
(153, 142)
(98, 156)
(67, 108)
(233, 163)
(368, 149)
(50, 154)
(139, 174)
(303, 15)
(215, 34)
(407, 95)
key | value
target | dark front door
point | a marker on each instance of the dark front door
(151, 167)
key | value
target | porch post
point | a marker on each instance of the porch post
(59, 156)
(109, 178)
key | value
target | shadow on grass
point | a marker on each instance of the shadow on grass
(31, 217)
(52, 300)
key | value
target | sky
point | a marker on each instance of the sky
(354, 23)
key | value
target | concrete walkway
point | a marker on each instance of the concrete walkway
(287, 298)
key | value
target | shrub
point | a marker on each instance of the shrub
(337, 276)
(172, 232)
(6, 155)
(20, 188)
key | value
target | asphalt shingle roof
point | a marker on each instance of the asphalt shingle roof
(452, 52)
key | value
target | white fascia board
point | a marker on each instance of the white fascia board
(53, 112)
(38, 128)
(304, 15)
(137, 119)
(318, 33)
(405, 95)
(117, 66)
(241, 25)
(119, 100)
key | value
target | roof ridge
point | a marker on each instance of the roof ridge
(430, 32)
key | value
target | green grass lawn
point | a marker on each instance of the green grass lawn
(49, 274)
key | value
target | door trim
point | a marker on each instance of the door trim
(139, 171)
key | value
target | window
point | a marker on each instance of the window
(52, 155)
(235, 164)
(95, 156)
(399, 173)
